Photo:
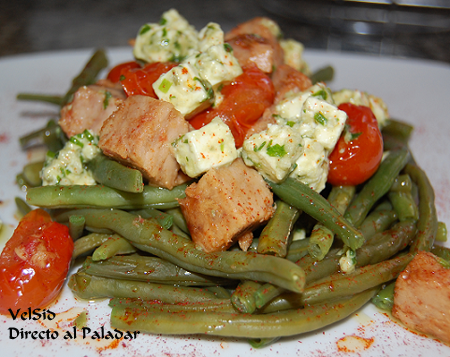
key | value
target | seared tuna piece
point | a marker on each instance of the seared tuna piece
(90, 107)
(422, 296)
(140, 134)
(226, 204)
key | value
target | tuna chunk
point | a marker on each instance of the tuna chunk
(90, 107)
(225, 205)
(140, 133)
(287, 80)
(256, 40)
(422, 296)
(251, 49)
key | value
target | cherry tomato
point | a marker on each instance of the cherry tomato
(245, 100)
(358, 151)
(138, 81)
(115, 73)
(34, 263)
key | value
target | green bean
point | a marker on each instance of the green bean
(150, 237)
(315, 205)
(322, 238)
(50, 136)
(113, 174)
(243, 297)
(324, 74)
(52, 99)
(179, 232)
(376, 187)
(340, 285)
(76, 226)
(399, 129)
(402, 183)
(22, 206)
(314, 270)
(266, 293)
(31, 173)
(88, 75)
(163, 218)
(385, 298)
(151, 269)
(103, 197)
(441, 234)
(441, 252)
(262, 342)
(88, 287)
(388, 243)
(376, 222)
(149, 306)
(427, 224)
(88, 243)
(297, 249)
(115, 245)
(284, 323)
(404, 205)
(178, 219)
(220, 292)
(274, 238)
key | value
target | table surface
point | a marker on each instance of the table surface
(28, 26)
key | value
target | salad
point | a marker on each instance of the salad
(199, 164)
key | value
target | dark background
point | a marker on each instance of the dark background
(390, 30)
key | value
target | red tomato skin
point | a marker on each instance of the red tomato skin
(245, 100)
(353, 162)
(115, 73)
(34, 263)
(139, 81)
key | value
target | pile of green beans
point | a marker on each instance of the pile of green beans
(136, 250)
(134, 245)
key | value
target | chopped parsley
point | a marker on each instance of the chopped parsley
(320, 118)
(276, 150)
(108, 96)
(145, 29)
(258, 148)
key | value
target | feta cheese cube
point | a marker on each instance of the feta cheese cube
(210, 35)
(210, 146)
(216, 65)
(312, 166)
(273, 151)
(357, 97)
(172, 39)
(183, 87)
(293, 55)
(322, 121)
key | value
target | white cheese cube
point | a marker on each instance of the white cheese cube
(183, 87)
(290, 109)
(172, 39)
(210, 35)
(68, 166)
(357, 97)
(210, 146)
(217, 65)
(321, 121)
(273, 151)
(312, 165)
(293, 55)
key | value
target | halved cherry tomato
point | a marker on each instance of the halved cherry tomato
(115, 73)
(358, 151)
(245, 100)
(138, 81)
(34, 263)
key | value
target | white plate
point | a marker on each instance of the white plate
(415, 91)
